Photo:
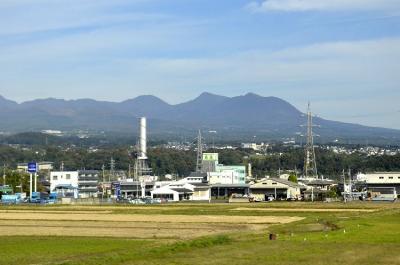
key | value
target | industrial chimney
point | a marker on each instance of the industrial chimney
(142, 139)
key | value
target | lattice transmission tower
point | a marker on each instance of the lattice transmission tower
(199, 152)
(310, 162)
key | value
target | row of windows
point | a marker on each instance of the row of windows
(388, 177)
(67, 176)
(224, 177)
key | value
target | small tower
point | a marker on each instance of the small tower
(141, 166)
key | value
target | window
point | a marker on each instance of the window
(55, 177)
(381, 177)
(390, 177)
(68, 176)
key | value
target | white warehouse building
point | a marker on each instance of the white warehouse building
(381, 179)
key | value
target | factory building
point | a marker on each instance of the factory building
(275, 188)
(136, 189)
(380, 180)
(225, 191)
(224, 180)
(221, 174)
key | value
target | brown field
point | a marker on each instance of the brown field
(104, 224)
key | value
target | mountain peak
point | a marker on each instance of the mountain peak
(208, 94)
(205, 96)
(145, 99)
(252, 95)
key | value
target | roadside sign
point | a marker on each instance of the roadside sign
(32, 167)
(117, 187)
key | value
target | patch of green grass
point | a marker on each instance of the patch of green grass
(52, 250)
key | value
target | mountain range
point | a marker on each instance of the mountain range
(239, 117)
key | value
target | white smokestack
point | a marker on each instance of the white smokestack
(142, 138)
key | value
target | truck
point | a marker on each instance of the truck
(12, 199)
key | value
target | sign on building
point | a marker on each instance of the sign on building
(210, 156)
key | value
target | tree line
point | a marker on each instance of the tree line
(181, 163)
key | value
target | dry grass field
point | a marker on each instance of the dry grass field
(106, 224)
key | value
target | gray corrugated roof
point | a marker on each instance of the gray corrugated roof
(196, 184)
(320, 182)
(230, 185)
(182, 190)
(283, 181)
(197, 175)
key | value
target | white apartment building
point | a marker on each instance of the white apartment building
(76, 184)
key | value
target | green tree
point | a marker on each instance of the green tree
(293, 178)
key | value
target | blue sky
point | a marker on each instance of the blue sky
(342, 55)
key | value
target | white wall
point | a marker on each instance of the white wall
(380, 178)
(225, 177)
(63, 178)
(202, 195)
(165, 190)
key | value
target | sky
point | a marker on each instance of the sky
(341, 55)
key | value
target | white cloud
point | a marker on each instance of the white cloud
(323, 5)
(28, 16)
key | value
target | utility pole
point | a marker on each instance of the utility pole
(112, 168)
(351, 188)
(310, 165)
(4, 174)
(103, 169)
(279, 170)
(199, 152)
(312, 193)
(344, 187)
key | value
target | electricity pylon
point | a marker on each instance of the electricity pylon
(199, 153)
(310, 163)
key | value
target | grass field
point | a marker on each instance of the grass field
(308, 233)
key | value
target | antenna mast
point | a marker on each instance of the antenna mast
(310, 164)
